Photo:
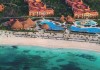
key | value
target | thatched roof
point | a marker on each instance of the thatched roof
(62, 18)
(28, 23)
(70, 19)
(45, 26)
(26, 26)
(17, 25)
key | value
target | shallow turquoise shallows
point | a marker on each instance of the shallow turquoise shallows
(40, 58)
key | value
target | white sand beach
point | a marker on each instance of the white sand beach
(49, 43)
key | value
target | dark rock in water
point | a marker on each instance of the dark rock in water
(37, 57)
(37, 51)
(0, 68)
(70, 66)
(60, 60)
(40, 51)
(26, 51)
(54, 68)
(1, 46)
(26, 68)
(38, 61)
(15, 47)
(10, 68)
(43, 51)
(86, 56)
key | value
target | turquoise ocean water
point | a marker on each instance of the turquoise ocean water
(40, 58)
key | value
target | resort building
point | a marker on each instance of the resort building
(80, 10)
(1, 7)
(38, 8)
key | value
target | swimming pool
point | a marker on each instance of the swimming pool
(85, 29)
(51, 25)
(40, 58)
(88, 26)
(86, 23)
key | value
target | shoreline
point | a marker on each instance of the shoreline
(49, 43)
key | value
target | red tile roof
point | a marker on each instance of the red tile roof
(79, 7)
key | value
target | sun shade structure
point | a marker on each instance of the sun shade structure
(45, 26)
(62, 18)
(70, 19)
(28, 23)
(17, 25)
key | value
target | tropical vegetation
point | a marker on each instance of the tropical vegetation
(17, 8)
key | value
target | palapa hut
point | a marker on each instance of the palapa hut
(17, 26)
(70, 19)
(28, 23)
(45, 26)
(62, 18)
(1, 7)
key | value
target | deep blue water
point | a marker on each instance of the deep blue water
(39, 58)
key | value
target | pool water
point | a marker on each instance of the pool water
(52, 25)
(40, 58)
(87, 22)
(85, 29)
(89, 27)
